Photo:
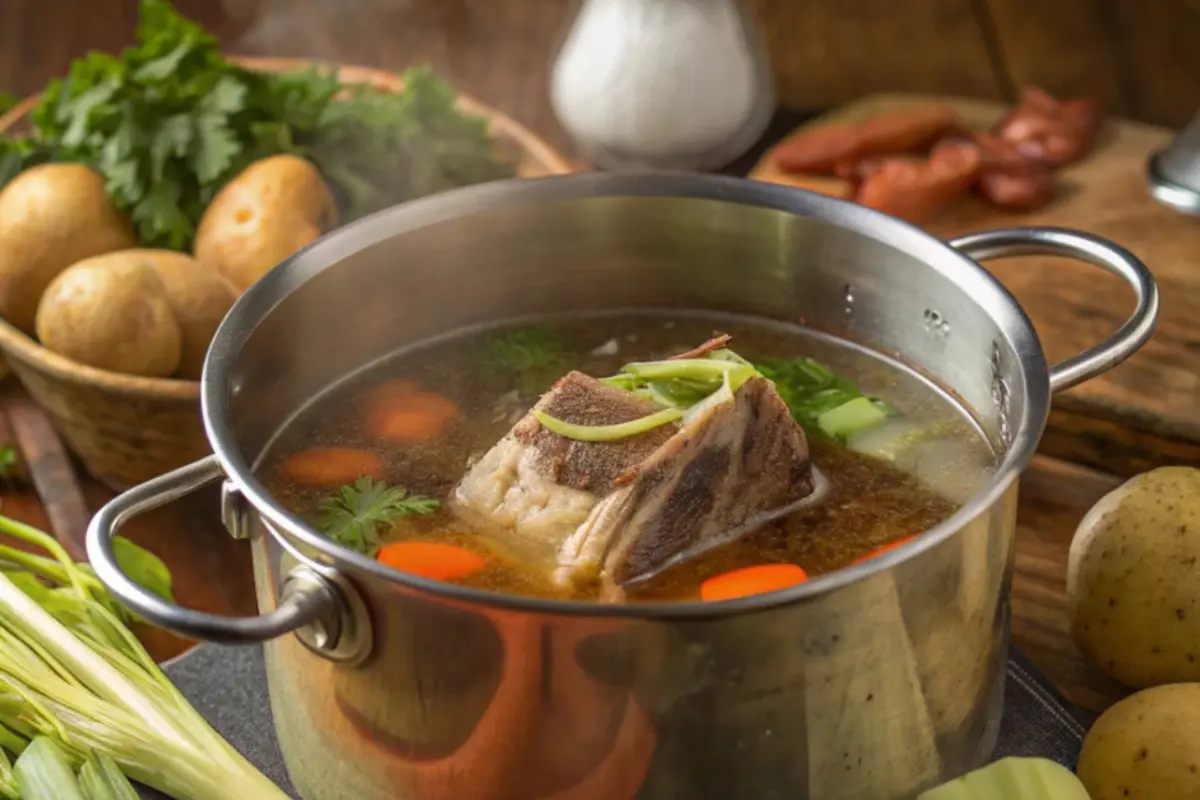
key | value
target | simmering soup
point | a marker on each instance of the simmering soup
(629, 457)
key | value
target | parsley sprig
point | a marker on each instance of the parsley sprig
(169, 121)
(537, 356)
(357, 515)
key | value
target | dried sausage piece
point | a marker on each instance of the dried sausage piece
(905, 131)
(817, 150)
(837, 148)
(1010, 179)
(1017, 192)
(1056, 133)
(914, 188)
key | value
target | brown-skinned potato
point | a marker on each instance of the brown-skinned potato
(113, 315)
(1134, 599)
(273, 208)
(1146, 747)
(51, 216)
(198, 295)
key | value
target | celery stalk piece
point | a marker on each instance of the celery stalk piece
(1013, 779)
(8, 781)
(101, 779)
(72, 672)
(44, 772)
(852, 417)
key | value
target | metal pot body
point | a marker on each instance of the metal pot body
(872, 682)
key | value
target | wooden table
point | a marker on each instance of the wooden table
(211, 570)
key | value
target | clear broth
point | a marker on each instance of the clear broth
(872, 502)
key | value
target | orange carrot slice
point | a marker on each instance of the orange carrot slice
(440, 562)
(751, 580)
(400, 411)
(332, 466)
(878, 551)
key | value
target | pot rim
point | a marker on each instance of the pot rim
(257, 303)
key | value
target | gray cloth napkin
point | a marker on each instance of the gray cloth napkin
(228, 686)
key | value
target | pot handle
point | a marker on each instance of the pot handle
(311, 598)
(1038, 241)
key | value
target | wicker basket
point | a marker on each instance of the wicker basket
(127, 429)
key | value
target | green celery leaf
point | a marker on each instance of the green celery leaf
(143, 567)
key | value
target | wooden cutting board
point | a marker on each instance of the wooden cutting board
(1146, 412)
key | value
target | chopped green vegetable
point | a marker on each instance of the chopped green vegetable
(8, 781)
(608, 433)
(1012, 778)
(537, 356)
(72, 672)
(358, 514)
(43, 772)
(851, 417)
(101, 779)
(810, 389)
(169, 121)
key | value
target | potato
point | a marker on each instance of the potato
(273, 208)
(199, 297)
(50, 217)
(1131, 580)
(111, 313)
(1147, 746)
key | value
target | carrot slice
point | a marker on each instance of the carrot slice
(400, 411)
(878, 551)
(332, 466)
(751, 580)
(440, 562)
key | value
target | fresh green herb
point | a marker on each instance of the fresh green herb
(536, 356)
(169, 121)
(357, 515)
(7, 102)
(811, 389)
(71, 671)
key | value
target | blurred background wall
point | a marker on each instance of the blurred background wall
(1139, 56)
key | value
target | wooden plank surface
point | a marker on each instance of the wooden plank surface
(1145, 412)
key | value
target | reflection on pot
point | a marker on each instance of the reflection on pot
(483, 704)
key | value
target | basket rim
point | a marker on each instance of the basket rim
(28, 350)
(21, 348)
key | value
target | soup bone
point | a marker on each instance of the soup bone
(584, 242)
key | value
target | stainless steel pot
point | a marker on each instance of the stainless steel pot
(871, 682)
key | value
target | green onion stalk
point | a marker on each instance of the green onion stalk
(73, 672)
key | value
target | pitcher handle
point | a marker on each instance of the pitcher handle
(1048, 241)
(310, 600)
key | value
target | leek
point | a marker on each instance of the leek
(8, 781)
(101, 779)
(1013, 778)
(73, 672)
(607, 433)
(43, 772)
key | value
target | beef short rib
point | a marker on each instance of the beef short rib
(624, 510)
